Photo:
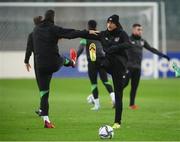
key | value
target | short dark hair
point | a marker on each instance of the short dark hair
(92, 24)
(49, 15)
(136, 25)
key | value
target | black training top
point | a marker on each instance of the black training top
(89, 44)
(114, 44)
(45, 39)
(29, 48)
(135, 53)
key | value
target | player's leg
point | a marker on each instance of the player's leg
(92, 72)
(118, 70)
(72, 61)
(68, 62)
(126, 78)
(73, 55)
(118, 89)
(107, 84)
(44, 94)
(44, 79)
(135, 77)
(38, 112)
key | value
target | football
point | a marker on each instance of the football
(90, 99)
(106, 132)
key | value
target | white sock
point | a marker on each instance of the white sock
(46, 118)
(112, 95)
(96, 103)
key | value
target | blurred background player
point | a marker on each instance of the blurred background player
(134, 62)
(95, 53)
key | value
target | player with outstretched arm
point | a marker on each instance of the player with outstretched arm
(115, 42)
(134, 62)
(47, 59)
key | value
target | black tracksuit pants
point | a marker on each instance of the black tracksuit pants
(93, 69)
(43, 78)
(117, 71)
(134, 74)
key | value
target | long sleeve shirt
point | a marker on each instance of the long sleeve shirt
(136, 52)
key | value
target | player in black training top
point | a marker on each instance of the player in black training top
(95, 53)
(115, 42)
(29, 50)
(135, 58)
(47, 59)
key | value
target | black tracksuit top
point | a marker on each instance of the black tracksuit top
(29, 48)
(45, 40)
(99, 50)
(114, 44)
(136, 52)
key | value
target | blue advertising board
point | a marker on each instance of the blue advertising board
(164, 67)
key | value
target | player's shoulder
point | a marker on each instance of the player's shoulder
(120, 30)
(144, 40)
(30, 34)
(56, 27)
(122, 33)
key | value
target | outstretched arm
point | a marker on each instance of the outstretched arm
(72, 33)
(155, 51)
(82, 34)
(118, 47)
(29, 50)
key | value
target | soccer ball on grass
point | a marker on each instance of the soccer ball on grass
(106, 132)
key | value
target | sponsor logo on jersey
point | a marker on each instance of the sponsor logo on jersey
(116, 39)
(142, 43)
(133, 42)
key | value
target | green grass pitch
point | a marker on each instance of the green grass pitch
(157, 119)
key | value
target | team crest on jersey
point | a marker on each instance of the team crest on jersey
(106, 38)
(142, 43)
(116, 39)
(133, 42)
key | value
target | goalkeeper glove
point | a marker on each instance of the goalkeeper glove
(176, 70)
